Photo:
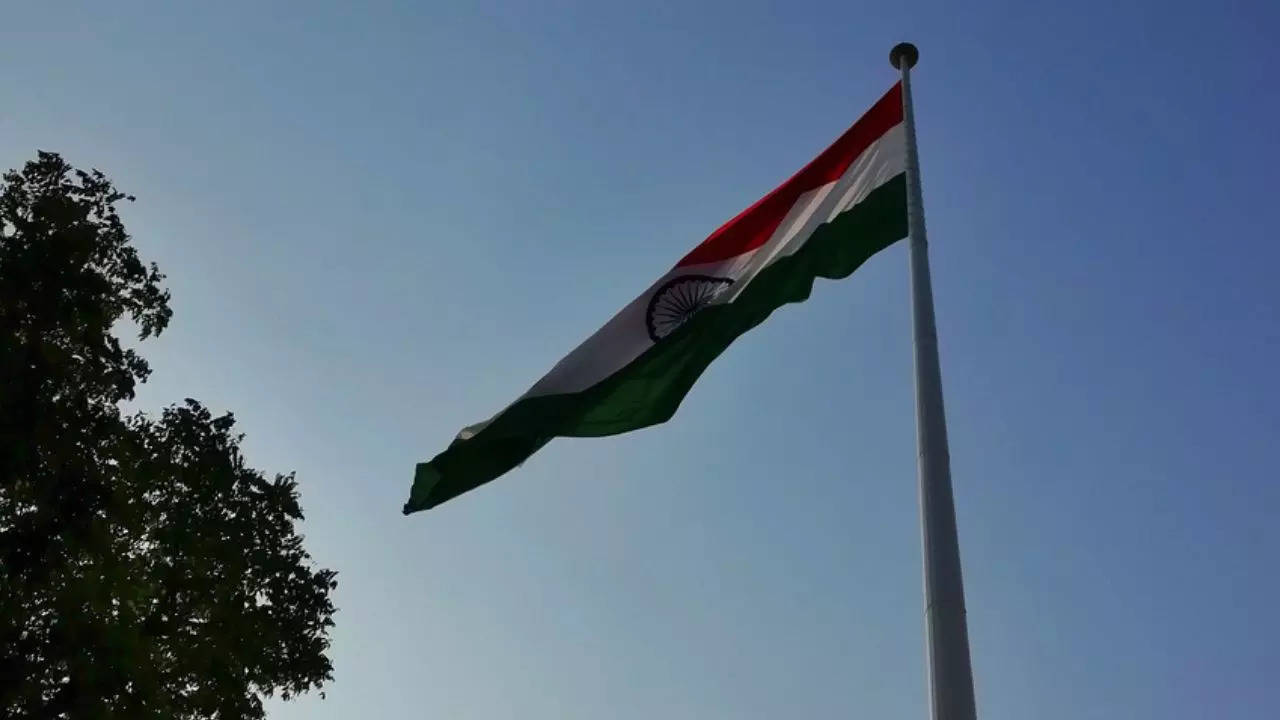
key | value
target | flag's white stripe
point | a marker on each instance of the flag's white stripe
(883, 160)
(626, 336)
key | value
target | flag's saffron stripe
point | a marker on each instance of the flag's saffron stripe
(649, 389)
(754, 226)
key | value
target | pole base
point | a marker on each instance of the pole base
(904, 52)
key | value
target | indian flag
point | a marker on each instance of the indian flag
(840, 209)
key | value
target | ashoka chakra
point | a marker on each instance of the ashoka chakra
(678, 299)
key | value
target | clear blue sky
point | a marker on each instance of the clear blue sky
(381, 222)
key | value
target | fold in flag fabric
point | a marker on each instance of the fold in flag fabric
(843, 207)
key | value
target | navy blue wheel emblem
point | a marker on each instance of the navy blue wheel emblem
(678, 299)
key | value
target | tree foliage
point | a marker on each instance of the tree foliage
(145, 570)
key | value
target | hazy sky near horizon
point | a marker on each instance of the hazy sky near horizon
(383, 221)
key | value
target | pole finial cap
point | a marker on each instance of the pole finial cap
(904, 52)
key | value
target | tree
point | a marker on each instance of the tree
(145, 570)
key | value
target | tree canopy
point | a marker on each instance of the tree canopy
(146, 571)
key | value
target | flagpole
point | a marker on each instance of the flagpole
(950, 673)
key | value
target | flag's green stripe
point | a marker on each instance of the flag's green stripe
(649, 390)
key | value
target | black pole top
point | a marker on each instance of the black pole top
(904, 52)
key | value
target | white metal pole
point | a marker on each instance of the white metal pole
(950, 673)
